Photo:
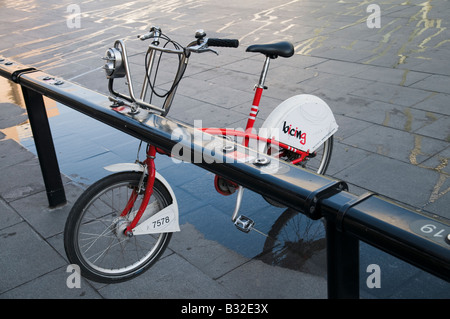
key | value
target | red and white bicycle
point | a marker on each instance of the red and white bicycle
(122, 223)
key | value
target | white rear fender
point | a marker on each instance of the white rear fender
(167, 219)
(303, 121)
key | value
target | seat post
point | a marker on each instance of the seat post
(258, 93)
(263, 76)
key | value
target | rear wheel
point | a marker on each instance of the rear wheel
(294, 239)
(317, 162)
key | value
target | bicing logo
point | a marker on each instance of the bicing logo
(290, 130)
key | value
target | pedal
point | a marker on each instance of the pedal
(244, 224)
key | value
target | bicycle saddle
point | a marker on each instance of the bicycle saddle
(284, 49)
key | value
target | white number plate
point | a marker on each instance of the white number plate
(165, 221)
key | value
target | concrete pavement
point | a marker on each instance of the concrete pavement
(387, 86)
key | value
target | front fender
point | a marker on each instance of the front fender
(136, 167)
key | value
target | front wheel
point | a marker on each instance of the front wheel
(94, 235)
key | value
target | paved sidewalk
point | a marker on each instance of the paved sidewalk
(388, 88)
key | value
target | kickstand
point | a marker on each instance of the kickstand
(240, 194)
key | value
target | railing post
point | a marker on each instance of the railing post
(342, 263)
(45, 148)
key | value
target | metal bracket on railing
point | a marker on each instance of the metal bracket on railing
(312, 207)
(344, 209)
(12, 70)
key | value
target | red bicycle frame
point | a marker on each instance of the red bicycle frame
(149, 163)
(248, 134)
(253, 112)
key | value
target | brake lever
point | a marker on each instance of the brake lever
(155, 32)
(202, 49)
(210, 50)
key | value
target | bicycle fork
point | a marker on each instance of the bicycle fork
(149, 164)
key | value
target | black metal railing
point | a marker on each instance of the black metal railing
(413, 237)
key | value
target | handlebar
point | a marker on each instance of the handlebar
(146, 36)
(155, 32)
(166, 50)
(227, 43)
(117, 65)
(203, 44)
(200, 45)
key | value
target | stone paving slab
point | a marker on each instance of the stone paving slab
(262, 276)
(52, 285)
(21, 243)
(388, 178)
(169, 278)
(396, 144)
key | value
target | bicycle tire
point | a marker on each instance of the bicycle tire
(325, 154)
(92, 211)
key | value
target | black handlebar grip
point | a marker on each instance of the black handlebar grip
(228, 43)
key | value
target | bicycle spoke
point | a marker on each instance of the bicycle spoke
(97, 238)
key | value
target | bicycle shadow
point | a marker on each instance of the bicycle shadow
(296, 242)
